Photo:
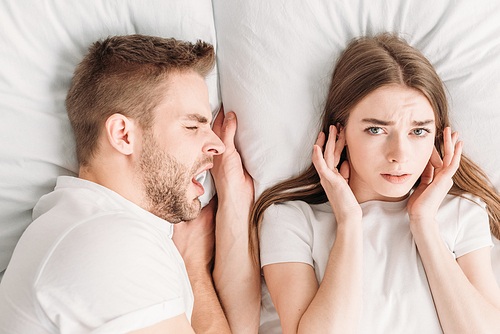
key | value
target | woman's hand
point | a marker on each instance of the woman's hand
(334, 306)
(435, 182)
(343, 202)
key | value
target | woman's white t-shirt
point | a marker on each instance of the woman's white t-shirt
(396, 295)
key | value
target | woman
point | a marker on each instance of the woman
(396, 240)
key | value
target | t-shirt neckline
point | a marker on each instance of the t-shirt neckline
(75, 182)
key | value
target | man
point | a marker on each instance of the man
(100, 255)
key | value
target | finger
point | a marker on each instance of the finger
(435, 159)
(219, 120)
(452, 148)
(345, 170)
(321, 139)
(339, 146)
(318, 161)
(447, 160)
(455, 162)
(448, 147)
(454, 138)
(427, 174)
(330, 148)
(229, 131)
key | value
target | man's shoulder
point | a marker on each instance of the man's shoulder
(77, 216)
(115, 263)
(81, 233)
(114, 230)
(81, 208)
(74, 198)
(110, 249)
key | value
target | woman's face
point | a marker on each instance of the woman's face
(390, 138)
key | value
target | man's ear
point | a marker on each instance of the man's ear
(121, 133)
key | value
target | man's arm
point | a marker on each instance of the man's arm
(195, 242)
(236, 275)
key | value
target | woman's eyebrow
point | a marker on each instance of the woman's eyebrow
(387, 123)
(422, 123)
(376, 121)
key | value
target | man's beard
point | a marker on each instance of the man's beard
(166, 181)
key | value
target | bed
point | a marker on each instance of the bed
(274, 60)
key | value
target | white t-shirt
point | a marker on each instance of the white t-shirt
(92, 262)
(396, 295)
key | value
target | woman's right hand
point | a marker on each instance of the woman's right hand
(335, 182)
(334, 306)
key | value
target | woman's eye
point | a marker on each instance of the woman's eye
(419, 132)
(374, 130)
(192, 128)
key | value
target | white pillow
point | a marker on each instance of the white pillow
(276, 59)
(41, 42)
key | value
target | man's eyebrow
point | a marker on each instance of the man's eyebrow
(197, 118)
(387, 123)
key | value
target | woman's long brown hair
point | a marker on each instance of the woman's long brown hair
(369, 63)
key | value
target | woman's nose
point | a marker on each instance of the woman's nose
(398, 150)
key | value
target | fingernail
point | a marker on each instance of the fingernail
(230, 115)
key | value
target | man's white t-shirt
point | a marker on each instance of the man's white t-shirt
(92, 261)
(396, 295)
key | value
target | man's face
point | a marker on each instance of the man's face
(178, 148)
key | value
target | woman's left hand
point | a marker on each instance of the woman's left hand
(435, 182)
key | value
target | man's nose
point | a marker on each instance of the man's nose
(214, 145)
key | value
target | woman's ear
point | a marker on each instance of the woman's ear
(121, 133)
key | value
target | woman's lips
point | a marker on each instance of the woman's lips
(396, 178)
